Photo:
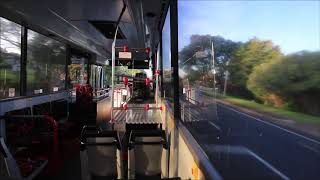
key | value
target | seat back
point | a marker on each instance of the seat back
(24, 111)
(99, 153)
(147, 147)
(60, 109)
(102, 159)
(42, 109)
(148, 157)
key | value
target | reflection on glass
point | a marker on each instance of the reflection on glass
(46, 60)
(166, 59)
(10, 50)
(93, 76)
(158, 70)
(96, 76)
(107, 76)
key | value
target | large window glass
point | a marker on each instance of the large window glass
(158, 72)
(46, 61)
(10, 50)
(99, 77)
(250, 85)
(107, 76)
(96, 76)
(166, 59)
(93, 73)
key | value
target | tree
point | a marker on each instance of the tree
(10, 42)
(294, 80)
(10, 34)
(246, 58)
(44, 50)
(123, 70)
(195, 68)
(46, 59)
(10, 37)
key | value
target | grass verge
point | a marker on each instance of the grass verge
(296, 116)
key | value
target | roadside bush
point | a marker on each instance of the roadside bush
(293, 81)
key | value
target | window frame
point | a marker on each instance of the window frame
(21, 51)
(23, 63)
(26, 63)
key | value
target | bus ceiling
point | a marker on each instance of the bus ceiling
(90, 24)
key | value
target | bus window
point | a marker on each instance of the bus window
(95, 76)
(166, 60)
(10, 50)
(107, 76)
(46, 61)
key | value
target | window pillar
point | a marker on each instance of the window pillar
(174, 55)
(23, 62)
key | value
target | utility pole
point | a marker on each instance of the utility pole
(226, 77)
(214, 70)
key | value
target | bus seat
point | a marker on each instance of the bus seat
(10, 166)
(33, 140)
(60, 112)
(24, 111)
(60, 109)
(42, 109)
(12, 169)
(99, 154)
(147, 147)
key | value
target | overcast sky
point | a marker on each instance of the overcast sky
(293, 25)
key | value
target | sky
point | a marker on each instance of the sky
(292, 25)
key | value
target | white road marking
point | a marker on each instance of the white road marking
(214, 125)
(268, 165)
(245, 151)
(310, 148)
(271, 124)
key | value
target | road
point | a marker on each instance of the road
(241, 146)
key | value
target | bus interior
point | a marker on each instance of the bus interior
(97, 90)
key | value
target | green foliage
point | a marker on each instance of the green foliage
(249, 55)
(295, 78)
(245, 58)
(199, 69)
(44, 50)
(123, 70)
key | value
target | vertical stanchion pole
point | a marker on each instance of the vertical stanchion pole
(112, 75)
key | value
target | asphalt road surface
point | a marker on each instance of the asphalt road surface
(241, 146)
